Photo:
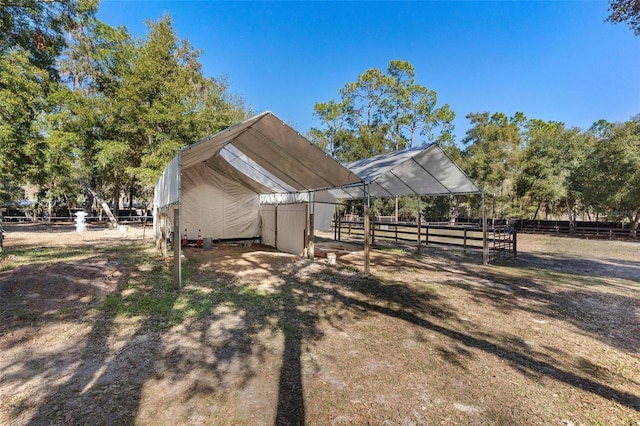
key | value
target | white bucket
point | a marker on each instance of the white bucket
(80, 221)
(207, 243)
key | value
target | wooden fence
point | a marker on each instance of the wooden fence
(590, 229)
(58, 219)
(502, 240)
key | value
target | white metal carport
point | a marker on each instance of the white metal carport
(263, 160)
(215, 184)
(425, 170)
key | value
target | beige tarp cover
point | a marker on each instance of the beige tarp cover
(425, 170)
(226, 177)
(284, 226)
(219, 180)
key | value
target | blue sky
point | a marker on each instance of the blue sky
(552, 60)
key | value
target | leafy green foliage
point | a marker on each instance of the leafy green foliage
(23, 93)
(37, 28)
(83, 100)
(550, 159)
(381, 111)
(120, 112)
(31, 39)
(625, 11)
(524, 166)
(610, 176)
(491, 156)
(9, 191)
(161, 103)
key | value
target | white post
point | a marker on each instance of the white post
(485, 243)
(178, 226)
(311, 251)
(155, 224)
(419, 224)
(177, 247)
(367, 231)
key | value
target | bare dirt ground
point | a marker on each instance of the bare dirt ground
(92, 331)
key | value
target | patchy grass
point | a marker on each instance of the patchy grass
(98, 333)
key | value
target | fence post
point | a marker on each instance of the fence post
(367, 246)
(485, 245)
(419, 233)
(177, 248)
(465, 240)
(493, 238)
(312, 248)
(373, 230)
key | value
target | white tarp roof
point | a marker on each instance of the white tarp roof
(415, 171)
(264, 154)
(267, 156)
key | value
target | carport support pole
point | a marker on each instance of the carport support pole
(485, 243)
(419, 227)
(372, 225)
(367, 233)
(177, 226)
(336, 224)
(311, 237)
(311, 251)
(163, 224)
(177, 243)
(155, 226)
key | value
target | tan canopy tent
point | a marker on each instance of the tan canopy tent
(262, 179)
(425, 170)
(212, 188)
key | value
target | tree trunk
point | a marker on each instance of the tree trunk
(633, 232)
(535, 215)
(88, 208)
(131, 193)
(66, 202)
(116, 200)
(455, 211)
(103, 203)
(493, 204)
(572, 218)
(396, 209)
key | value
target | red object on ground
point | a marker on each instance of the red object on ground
(199, 240)
(185, 241)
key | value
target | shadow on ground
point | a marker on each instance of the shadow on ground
(125, 311)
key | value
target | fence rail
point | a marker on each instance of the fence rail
(128, 218)
(502, 240)
(564, 227)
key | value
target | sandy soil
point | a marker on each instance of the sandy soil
(93, 332)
